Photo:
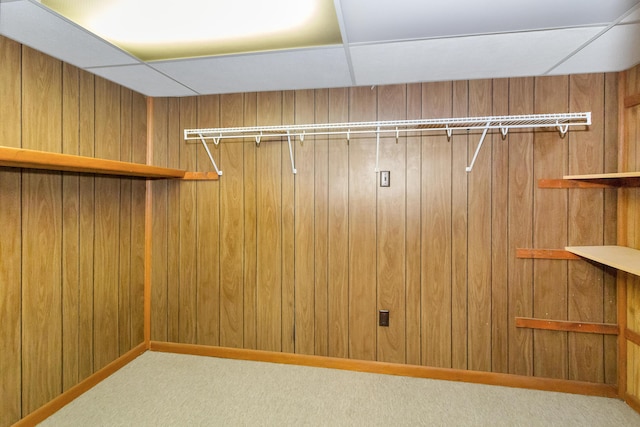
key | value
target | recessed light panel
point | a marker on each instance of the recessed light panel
(169, 29)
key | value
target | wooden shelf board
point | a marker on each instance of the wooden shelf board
(618, 179)
(30, 159)
(620, 257)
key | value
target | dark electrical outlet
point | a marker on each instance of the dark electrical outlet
(383, 318)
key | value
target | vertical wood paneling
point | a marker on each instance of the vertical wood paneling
(138, 191)
(269, 227)
(479, 237)
(124, 250)
(107, 236)
(586, 155)
(159, 303)
(391, 208)
(70, 228)
(459, 222)
(338, 290)
(436, 231)
(10, 244)
(500, 235)
(188, 246)
(413, 230)
(362, 229)
(208, 251)
(550, 231)
(288, 232)
(174, 216)
(304, 226)
(231, 227)
(521, 187)
(42, 241)
(321, 225)
(250, 227)
(87, 224)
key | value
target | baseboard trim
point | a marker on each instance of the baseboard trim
(65, 398)
(489, 378)
(632, 401)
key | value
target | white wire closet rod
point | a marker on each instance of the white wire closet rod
(560, 121)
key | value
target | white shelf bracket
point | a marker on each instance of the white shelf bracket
(206, 147)
(475, 155)
(504, 131)
(377, 169)
(302, 137)
(449, 132)
(562, 129)
(293, 166)
(258, 138)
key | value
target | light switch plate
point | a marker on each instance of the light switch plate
(385, 179)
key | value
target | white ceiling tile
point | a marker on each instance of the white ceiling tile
(616, 50)
(144, 79)
(377, 20)
(501, 55)
(632, 17)
(37, 27)
(280, 70)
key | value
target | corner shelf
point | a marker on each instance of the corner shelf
(619, 179)
(32, 159)
(620, 257)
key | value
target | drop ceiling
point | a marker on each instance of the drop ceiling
(383, 42)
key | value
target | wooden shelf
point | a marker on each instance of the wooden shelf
(30, 159)
(619, 179)
(620, 257)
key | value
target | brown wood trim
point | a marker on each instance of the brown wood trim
(568, 183)
(489, 378)
(632, 336)
(632, 401)
(200, 176)
(148, 230)
(632, 100)
(59, 402)
(32, 159)
(621, 286)
(567, 326)
(527, 253)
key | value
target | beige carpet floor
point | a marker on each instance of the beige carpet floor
(160, 389)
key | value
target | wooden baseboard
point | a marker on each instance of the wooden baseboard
(633, 402)
(56, 404)
(489, 378)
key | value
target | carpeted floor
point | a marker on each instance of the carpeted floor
(161, 389)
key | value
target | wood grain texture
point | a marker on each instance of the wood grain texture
(231, 228)
(550, 276)
(391, 217)
(500, 235)
(479, 236)
(362, 230)
(174, 215)
(288, 302)
(11, 242)
(586, 155)
(305, 229)
(526, 253)
(41, 247)
(520, 214)
(269, 228)
(436, 231)
(338, 229)
(568, 326)
(208, 223)
(321, 190)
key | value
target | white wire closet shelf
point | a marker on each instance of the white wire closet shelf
(560, 121)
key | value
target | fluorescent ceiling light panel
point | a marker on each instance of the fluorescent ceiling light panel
(168, 29)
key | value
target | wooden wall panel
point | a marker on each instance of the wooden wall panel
(436, 231)
(305, 262)
(338, 229)
(11, 243)
(64, 315)
(362, 230)
(231, 227)
(269, 228)
(391, 216)
(550, 276)
(42, 239)
(208, 250)
(173, 222)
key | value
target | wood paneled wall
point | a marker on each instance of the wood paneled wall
(267, 260)
(630, 224)
(71, 246)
